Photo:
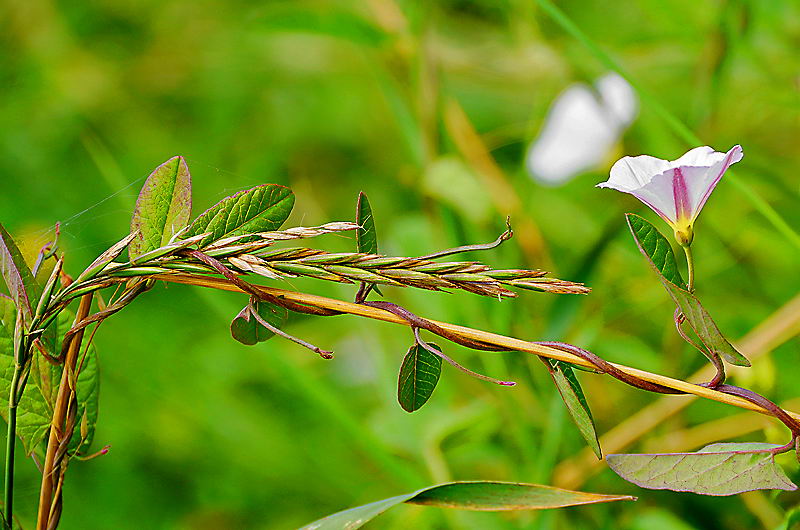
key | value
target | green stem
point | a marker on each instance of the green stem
(10, 445)
(690, 265)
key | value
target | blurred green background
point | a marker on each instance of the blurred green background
(428, 107)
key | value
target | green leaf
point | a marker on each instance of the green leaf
(163, 208)
(572, 394)
(717, 469)
(8, 316)
(19, 279)
(260, 209)
(655, 247)
(658, 252)
(248, 330)
(35, 409)
(419, 375)
(472, 495)
(33, 412)
(88, 388)
(366, 236)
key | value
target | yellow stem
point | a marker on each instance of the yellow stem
(509, 343)
(51, 471)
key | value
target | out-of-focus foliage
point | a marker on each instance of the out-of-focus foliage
(403, 100)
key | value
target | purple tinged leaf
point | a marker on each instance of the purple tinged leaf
(717, 469)
(571, 392)
(468, 495)
(658, 252)
(18, 276)
(163, 208)
(260, 209)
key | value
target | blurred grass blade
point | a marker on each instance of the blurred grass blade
(163, 208)
(655, 247)
(247, 330)
(419, 375)
(332, 23)
(717, 469)
(18, 276)
(791, 521)
(575, 400)
(472, 495)
(677, 126)
(260, 209)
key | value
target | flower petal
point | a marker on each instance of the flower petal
(702, 181)
(632, 172)
(658, 194)
(699, 156)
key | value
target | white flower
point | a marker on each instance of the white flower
(676, 190)
(581, 129)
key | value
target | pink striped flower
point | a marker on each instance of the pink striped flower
(676, 190)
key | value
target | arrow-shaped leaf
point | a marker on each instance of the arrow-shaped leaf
(575, 400)
(656, 248)
(472, 495)
(658, 252)
(366, 236)
(419, 375)
(717, 469)
(248, 330)
(163, 208)
(18, 276)
(260, 209)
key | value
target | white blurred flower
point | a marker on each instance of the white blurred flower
(676, 190)
(581, 129)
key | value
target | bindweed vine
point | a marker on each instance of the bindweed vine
(49, 368)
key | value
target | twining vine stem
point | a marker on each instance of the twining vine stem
(499, 342)
(58, 434)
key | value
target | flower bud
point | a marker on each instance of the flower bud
(684, 235)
